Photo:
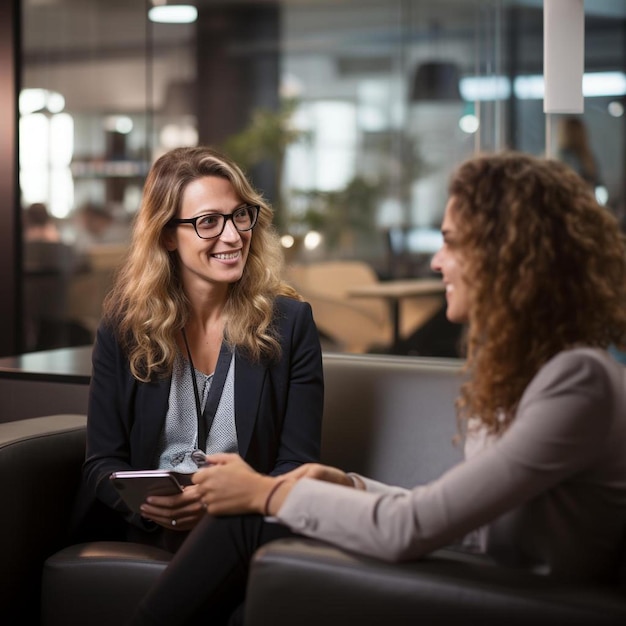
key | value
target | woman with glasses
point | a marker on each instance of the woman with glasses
(537, 270)
(202, 348)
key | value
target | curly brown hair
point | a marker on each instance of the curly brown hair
(147, 304)
(547, 269)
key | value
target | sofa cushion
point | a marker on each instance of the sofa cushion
(96, 583)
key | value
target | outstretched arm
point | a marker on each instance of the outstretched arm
(228, 485)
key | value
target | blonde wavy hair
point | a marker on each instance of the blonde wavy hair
(147, 305)
(547, 269)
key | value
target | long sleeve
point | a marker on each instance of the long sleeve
(563, 454)
(301, 376)
(108, 443)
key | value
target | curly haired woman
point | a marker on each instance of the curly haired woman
(537, 270)
(202, 347)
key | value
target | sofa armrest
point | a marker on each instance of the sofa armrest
(40, 466)
(304, 582)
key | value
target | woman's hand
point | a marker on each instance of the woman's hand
(178, 512)
(322, 472)
(229, 486)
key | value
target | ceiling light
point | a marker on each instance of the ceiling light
(531, 87)
(173, 14)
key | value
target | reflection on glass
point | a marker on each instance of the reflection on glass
(314, 101)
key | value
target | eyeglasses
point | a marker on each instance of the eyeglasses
(212, 225)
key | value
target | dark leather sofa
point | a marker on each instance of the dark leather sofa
(300, 581)
(390, 418)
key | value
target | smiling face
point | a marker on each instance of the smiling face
(219, 261)
(448, 261)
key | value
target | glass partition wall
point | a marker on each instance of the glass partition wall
(349, 116)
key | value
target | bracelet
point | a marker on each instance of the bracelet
(357, 483)
(270, 495)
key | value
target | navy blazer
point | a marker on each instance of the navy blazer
(278, 408)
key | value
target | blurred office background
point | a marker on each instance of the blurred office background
(349, 115)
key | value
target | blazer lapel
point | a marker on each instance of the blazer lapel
(152, 400)
(249, 380)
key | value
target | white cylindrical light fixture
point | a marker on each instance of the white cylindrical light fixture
(563, 55)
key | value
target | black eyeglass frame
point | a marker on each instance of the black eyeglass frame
(175, 221)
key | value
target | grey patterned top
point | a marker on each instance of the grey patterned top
(180, 431)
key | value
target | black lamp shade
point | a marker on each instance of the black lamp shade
(436, 81)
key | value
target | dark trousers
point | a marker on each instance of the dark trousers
(206, 580)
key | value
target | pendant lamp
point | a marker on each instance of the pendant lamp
(436, 81)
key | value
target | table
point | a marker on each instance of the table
(394, 291)
(65, 365)
(45, 383)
